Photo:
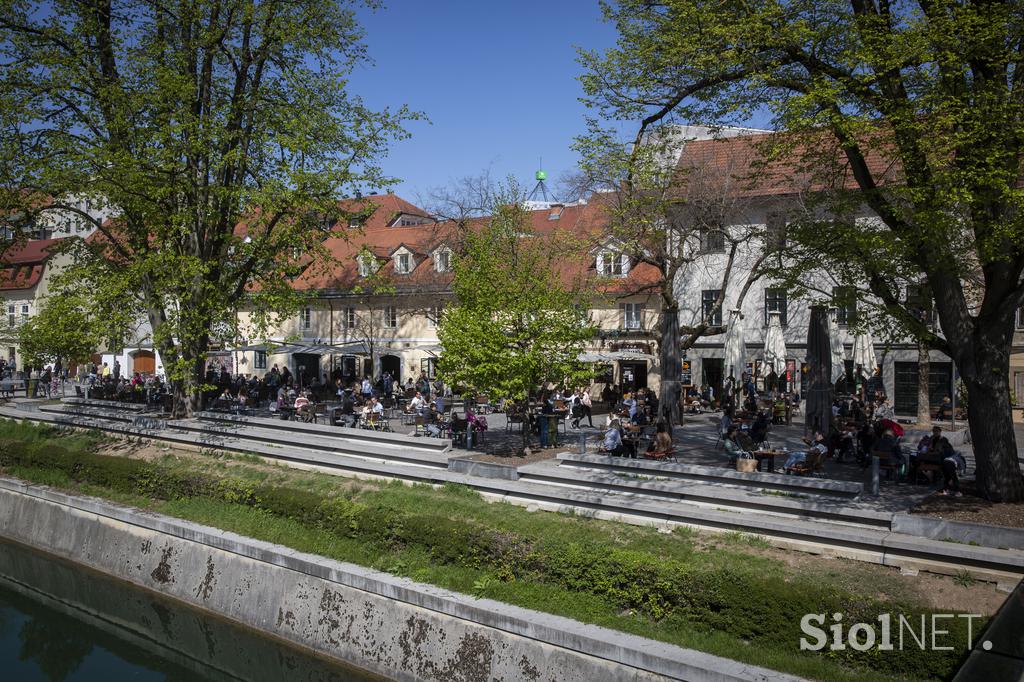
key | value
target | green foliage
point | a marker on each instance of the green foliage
(191, 120)
(64, 329)
(518, 321)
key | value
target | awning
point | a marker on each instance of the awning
(265, 347)
(612, 356)
(355, 348)
(433, 349)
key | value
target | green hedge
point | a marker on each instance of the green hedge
(750, 607)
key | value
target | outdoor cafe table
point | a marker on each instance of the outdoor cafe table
(770, 455)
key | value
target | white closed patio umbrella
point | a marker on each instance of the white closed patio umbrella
(775, 345)
(735, 355)
(864, 360)
(836, 347)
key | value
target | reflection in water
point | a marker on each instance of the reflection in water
(62, 622)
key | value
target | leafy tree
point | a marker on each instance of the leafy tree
(516, 323)
(913, 110)
(64, 329)
(221, 130)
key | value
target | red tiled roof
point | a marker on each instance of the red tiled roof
(587, 223)
(21, 266)
(813, 162)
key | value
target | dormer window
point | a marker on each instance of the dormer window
(611, 264)
(403, 263)
(365, 266)
(443, 261)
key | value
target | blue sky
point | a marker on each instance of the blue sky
(496, 78)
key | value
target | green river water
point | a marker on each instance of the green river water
(60, 622)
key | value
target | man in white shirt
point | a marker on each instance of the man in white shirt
(417, 402)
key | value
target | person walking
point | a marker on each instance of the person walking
(587, 405)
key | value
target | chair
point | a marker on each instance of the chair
(667, 456)
(514, 418)
(458, 428)
(421, 425)
(483, 404)
(810, 466)
(319, 410)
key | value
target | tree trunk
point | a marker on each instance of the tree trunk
(924, 409)
(671, 367)
(990, 417)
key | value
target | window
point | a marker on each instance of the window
(632, 316)
(365, 265)
(10, 315)
(612, 264)
(712, 241)
(708, 298)
(350, 318)
(775, 233)
(306, 318)
(443, 261)
(24, 313)
(261, 359)
(919, 302)
(402, 264)
(434, 316)
(390, 317)
(775, 302)
(1020, 325)
(845, 301)
(428, 365)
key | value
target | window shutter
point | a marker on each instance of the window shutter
(625, 264)
(600, 263)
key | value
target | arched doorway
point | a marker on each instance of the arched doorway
(391, 364)
(143, 362)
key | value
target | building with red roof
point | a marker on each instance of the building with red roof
(25, 271)
(350, 330)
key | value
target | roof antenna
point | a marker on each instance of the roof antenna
(540, 190)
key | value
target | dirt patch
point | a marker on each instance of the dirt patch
(940, 592)
(972, 509)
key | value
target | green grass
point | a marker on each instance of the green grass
(534, 582)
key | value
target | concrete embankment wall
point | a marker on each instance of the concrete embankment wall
(381, 623)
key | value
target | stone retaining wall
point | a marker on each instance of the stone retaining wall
(382, 623)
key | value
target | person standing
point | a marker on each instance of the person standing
(117, 370)
(588, 406)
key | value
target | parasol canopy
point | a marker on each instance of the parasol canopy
(864, 361)
(735, 355)
(836, 348)
(775, 345)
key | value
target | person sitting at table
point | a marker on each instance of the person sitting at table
(759, 429)
(817, 447)
(376, 409)
(750, 404)
(436, 424)
(613, 440)
(348, 409)
(945, 409)
(733, 449)
(302, 407)
(662, 443)
(226, 395)
(416, 404)
(888, 447)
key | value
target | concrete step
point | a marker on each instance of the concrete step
(822, 487)
(108, 404)
(708, 493)
(425, 443)
(344, 442)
